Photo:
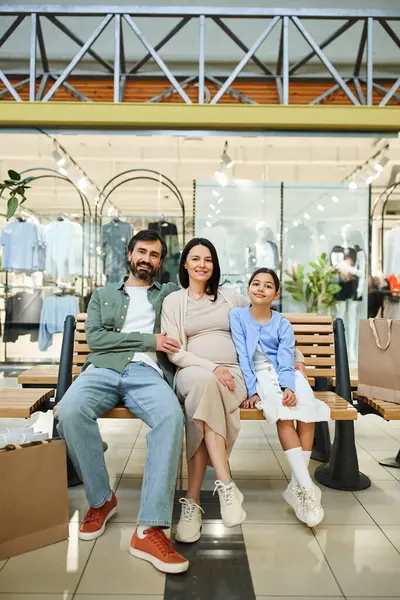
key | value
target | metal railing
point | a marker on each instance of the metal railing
(358, 88)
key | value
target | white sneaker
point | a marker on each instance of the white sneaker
(230, 499)
(289, 491)
(306, 503)
(189, 526)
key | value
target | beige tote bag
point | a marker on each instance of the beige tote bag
(379, 359)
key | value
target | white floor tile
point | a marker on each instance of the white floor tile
(120, 437)
(261, 464)
(54, 569)
(112, 570)
(300, 598)
(128, 493)
(385, 454)
(393, 533)
(376, 440)
(116, 458)
(124, 423)
(135, 465)
(60, 596)
(286, 560)
(113, 597)
(363, 560)
(382, 501)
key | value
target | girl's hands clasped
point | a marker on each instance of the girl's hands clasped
(288, 398)
(251, 402)
(225, 377)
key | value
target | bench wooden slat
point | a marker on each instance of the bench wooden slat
(80, 326)
(21, 403)
(80, 337)
(388, 410)
(41, 374)
(312, 329)
(315, 372)
(307, 319)
(81, 317)
(315, 339)
(79, 359)
(315, 361)
(317, 350)
(81, 348)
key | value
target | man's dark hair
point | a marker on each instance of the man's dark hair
(148, 235)
(213, 282)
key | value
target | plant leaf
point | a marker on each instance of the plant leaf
(14, 175)
(12, 206)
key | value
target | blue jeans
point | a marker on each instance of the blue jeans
(149, 397)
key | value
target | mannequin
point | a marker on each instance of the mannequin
(349, 261)
(264, 252)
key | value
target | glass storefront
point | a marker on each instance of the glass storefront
(315, 237)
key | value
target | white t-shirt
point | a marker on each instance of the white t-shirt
(140, 317)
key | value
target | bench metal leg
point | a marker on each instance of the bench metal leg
(322, 439)
(342, 471)
(394, 462)
(322, 443)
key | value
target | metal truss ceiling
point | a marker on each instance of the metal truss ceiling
(285, 20)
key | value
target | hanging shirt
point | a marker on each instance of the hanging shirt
(63, 249)
(392, 252)
(140, 317)
(19, 240)
(54, 312)
(116, 236)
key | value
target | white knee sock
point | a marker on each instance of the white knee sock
(297, 463)
(306, 456)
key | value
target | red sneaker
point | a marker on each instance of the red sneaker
(157, 549)
(94, 524)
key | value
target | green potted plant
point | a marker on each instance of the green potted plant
(16, 188)
(316, 288)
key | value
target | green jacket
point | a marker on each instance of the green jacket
(106, 315)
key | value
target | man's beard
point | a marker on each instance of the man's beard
(146, 274)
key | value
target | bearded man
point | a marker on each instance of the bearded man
(129, 364)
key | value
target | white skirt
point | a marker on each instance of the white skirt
(308, 409)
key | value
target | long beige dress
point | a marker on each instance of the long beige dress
(205, 398)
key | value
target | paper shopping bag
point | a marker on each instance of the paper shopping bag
(33, 497)
(379, 359)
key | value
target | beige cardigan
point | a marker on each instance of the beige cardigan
(173, 323)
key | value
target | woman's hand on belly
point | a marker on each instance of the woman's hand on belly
(225, 377)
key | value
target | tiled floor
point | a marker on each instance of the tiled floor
(354, 553)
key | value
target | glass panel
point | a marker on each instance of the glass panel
(329, 221)
(242, 220)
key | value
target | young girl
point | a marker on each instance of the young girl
(265, 343)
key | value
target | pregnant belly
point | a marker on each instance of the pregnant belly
(216, 346)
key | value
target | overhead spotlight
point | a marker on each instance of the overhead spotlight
(226, 160)
(221, 178)
(209, 216)
(322, 237)
(353, 185)
(295, 223)
(63, 171)
(212, 206)
(220, 200)
(217, 212)
(320, 207)
(335, 199)
(307, 216)
(380, 164)
(82, 183)
(370, 176)
(208, 223)
(215, 194)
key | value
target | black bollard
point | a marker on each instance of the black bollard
(342, 472)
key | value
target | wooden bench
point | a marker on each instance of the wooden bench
(19, 403)
(390, 411)
(317, 337)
